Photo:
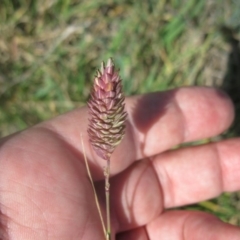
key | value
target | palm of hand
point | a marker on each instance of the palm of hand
(45, 192)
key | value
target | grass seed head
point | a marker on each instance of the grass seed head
(106, 109)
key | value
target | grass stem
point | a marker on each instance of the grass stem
(107, 194)
(94, 190)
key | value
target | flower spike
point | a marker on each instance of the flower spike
(106, 110)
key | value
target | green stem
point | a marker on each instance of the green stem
(107, 193)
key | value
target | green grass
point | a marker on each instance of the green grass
(49, 51)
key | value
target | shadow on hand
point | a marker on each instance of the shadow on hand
(148, 110)
(3, 227)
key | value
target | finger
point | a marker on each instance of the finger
(136, 197)
(156, 122)
(194, 174)
(190, 225)
(175, 178)
(183, 225)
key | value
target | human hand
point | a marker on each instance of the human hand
(45, 192)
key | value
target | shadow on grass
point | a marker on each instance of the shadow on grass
(231, 81)
(231, 85)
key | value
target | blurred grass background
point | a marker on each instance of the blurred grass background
(50, 49)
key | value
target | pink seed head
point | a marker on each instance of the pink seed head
(106, 111)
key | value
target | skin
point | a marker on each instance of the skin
(45, 192)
